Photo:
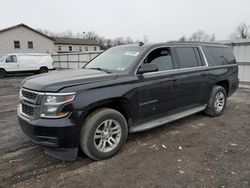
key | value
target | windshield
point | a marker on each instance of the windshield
(2, 57)
(116, 59)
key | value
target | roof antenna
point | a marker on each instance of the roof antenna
(141, 43)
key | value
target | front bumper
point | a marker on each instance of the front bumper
(60, 137)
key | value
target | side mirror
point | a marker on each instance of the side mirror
(147, 68)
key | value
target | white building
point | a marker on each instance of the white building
(24, 39)
(241, 50)
(75, 45)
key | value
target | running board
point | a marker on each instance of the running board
(160, 121)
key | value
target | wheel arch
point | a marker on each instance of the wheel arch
(119, 104)
(43, 67)
(224, 84)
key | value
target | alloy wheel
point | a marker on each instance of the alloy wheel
(219, 101)
(107, 135)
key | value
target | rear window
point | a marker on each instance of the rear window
(222, 55)
(187, 57)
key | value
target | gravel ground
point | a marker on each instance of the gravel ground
(197, 151)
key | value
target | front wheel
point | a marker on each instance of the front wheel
(103, 133)
(43, 70)
(217, 102)
(2, 73)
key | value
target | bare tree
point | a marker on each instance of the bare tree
(183, 38)
(91, 35)
(67, 34)
(201, 36)
(102, 42)
(47, 32)
(79, 35)
(212, 37)
(129, 40)
(118, 41)
(108, 43)
(241, 32)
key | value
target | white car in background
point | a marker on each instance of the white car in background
(25, 62)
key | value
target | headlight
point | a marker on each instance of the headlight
(52, 104)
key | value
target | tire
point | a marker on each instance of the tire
(43, 70)
(2, 73)
(217, 102)
(95, 140)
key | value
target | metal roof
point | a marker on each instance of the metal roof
(74, 41)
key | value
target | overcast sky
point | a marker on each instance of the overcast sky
(160, 20)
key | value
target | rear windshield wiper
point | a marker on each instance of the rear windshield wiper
(100, 69)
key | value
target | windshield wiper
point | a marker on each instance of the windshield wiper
(100, 69)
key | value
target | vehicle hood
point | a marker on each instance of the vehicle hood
(57, 80)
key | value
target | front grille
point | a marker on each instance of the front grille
(30, 102)
(29, 95)
(28, 110)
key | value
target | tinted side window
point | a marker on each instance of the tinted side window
(161, 57)
(222, 55)
(187, 57)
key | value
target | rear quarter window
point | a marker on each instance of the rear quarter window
(221, 55)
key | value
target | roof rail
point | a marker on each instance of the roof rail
(191, 42)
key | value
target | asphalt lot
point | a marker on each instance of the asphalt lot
(197, 151)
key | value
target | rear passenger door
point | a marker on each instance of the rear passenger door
(191, 83)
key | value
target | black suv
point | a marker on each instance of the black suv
(125, 89)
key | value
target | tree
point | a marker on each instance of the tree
(67, 34)
(183, 38)
(91, 35)
(212, 37)
(47, 32)
(102, 42)
(241, 32)
(108, 43)
(118, 41)
(129, 40)
(201, 36)
(79, 35)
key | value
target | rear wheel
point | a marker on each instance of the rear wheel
(217, 102)
(2, 73)
(43, 70)
(103, 133)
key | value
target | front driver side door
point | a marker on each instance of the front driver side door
(11, 64)
(156, 88)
